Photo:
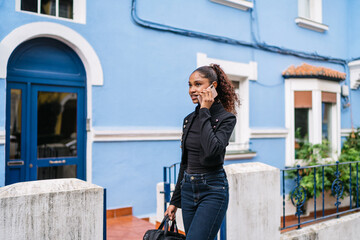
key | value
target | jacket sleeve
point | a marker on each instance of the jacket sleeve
(214, 142)
(176, 197)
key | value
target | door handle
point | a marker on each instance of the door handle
(57, 161)
(15, 163)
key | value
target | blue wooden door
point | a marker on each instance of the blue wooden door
(45, 113)
(15, 153)
(54, 132)
(46, 133)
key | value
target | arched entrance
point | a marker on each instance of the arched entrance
(45, 112)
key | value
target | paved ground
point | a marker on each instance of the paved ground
(127, 228)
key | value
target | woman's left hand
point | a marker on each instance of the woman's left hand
(207, 98)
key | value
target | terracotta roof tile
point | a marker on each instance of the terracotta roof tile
(309, 71)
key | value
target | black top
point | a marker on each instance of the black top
(193, 146)
(216, 126)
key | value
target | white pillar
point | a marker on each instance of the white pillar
(68, 209)
(254, 204)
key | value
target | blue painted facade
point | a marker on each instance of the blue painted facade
(145, 75)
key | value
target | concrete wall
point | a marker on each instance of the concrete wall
(254, 209)
(67, 209)
(344, 228)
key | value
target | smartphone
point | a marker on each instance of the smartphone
(213, 91)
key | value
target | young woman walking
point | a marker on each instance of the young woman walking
(202, 188)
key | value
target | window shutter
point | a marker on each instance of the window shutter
(328, 97)
(303, 99)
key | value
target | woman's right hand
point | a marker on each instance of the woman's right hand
(170, 211)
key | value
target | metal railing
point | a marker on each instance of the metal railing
(169, 177)
(168, 180)
(298, 194)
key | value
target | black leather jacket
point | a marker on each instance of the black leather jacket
(216, 127)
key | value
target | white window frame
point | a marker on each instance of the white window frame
(243, 73)
(79, 11)
(354, 68)
(314, 21)
(239, 4)
(242, 131)
(316, 86)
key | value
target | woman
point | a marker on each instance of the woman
(202, 188)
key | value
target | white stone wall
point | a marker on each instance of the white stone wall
(254, 209)
(66, 209)
(344, 228)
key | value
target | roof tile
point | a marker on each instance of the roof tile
(309, 71)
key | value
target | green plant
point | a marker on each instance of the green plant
(313, 154)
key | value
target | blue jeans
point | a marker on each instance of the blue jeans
(204, 201)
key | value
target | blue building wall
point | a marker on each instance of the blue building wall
(146, 74)
(131, 170)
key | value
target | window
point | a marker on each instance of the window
(239, 140)
(303, 111)
(236, 132)
(240, 74)
(312, 115)
(310, 9)
(328, 107)
(310, 15)
(64, 9)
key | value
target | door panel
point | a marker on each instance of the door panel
(56, 124)
(15, 129)
(56, 127)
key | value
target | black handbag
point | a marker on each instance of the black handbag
(166, 234)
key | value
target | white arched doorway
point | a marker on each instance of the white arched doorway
(76, 42)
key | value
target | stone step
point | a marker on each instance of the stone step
(122, 225)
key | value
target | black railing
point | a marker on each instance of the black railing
(321, 175)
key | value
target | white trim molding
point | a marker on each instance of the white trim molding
(2, 137)
(239, 4)
(240, 156)
(346, 131)
(354, 69)
(312, 25)
(236, 70)
(137, 135)
(316, 86)
(78, 43)
(269, 133)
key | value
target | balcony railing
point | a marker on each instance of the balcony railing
(342, 178)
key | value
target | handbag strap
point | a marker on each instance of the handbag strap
(172, 228)
(163, 222)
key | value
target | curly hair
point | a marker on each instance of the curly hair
(225, 89)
